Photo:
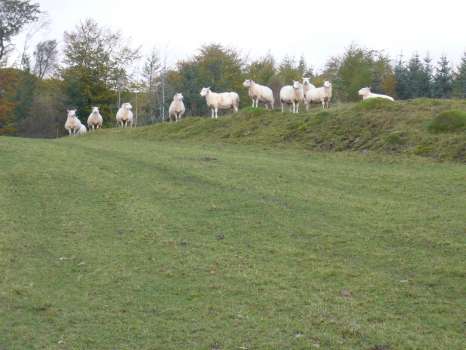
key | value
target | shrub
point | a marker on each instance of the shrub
(448, 121)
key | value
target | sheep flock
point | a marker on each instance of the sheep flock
(294, 95)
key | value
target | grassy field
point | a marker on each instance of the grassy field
(126, 240)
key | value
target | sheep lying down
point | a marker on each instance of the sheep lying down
(367, 94)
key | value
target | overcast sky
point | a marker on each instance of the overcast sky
(313, 28)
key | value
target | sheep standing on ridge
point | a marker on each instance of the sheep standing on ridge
(366, 94)
(177, 108)
(95, 120)
(72, 124)
(306, 87)
(292, 95)
(259, 93)
(216, 101)
(124, 116)
(321, 95)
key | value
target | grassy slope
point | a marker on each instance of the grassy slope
(381, 126)
(110, 242)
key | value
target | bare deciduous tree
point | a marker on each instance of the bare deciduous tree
(14, 15)
(45, 57)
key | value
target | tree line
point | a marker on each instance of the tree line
(97, 67)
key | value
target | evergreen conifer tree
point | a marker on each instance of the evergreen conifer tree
(460, 79)
(402, 80)
(427, 77)
(443, 79)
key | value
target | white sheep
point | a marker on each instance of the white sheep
(292, 95)
(216, 101)
(72, 124)
(306, 87)
(124, 116)
(366, 94)
(177, 108)
(82, 130)
(95, 120)
(321, 94)
(259, 93)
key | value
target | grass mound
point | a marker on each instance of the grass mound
(375, 125)
(376, 104)
(449, 121)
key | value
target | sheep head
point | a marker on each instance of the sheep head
(364, 91)
(127, 106)
(205, 91)
(178, 97)
(297, 85)
(248, 83)
(71, 113)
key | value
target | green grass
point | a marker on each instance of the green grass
(120, 240)
(374, 125)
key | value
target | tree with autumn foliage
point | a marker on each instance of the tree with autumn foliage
(96, 66)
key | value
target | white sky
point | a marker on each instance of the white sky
(315, 29)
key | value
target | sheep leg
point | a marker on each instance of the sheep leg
(283, 108)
